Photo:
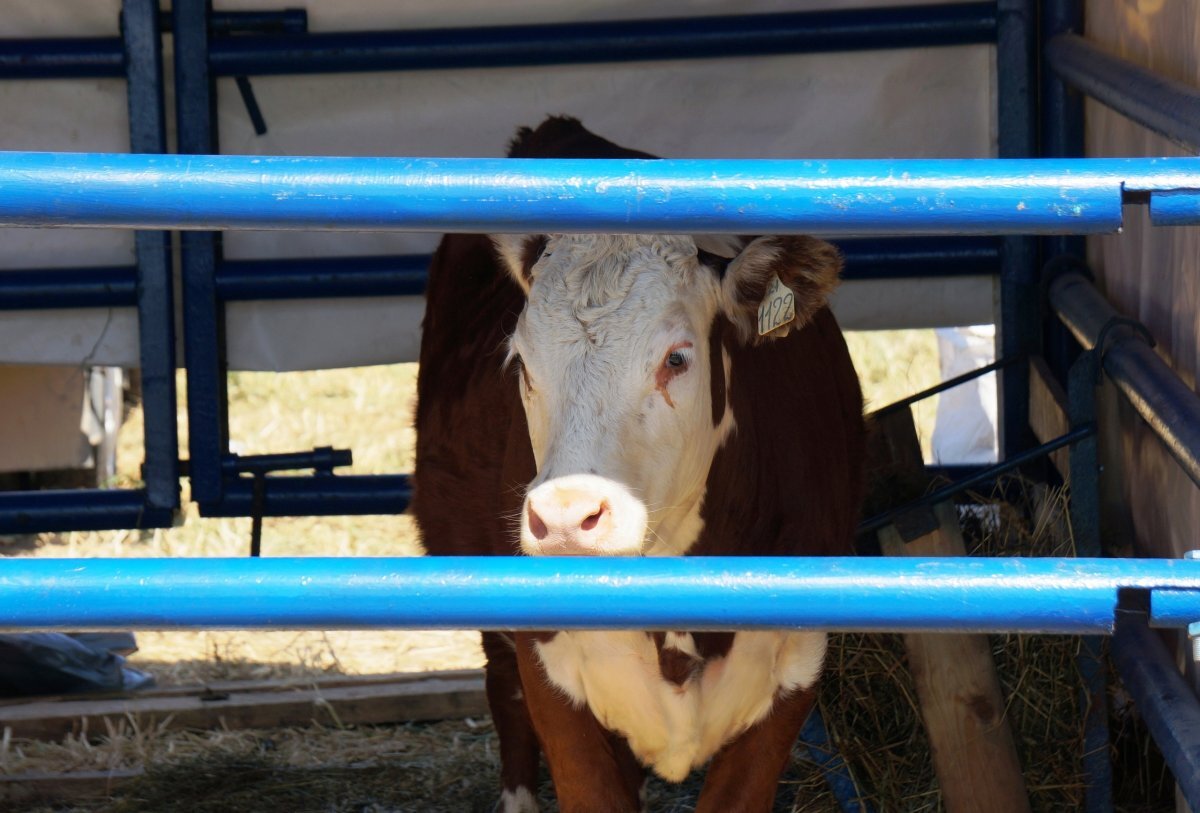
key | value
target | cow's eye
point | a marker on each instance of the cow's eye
(675, 359)
(519, 363)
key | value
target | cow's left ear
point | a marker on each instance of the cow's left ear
(519, 253)
(777, 284)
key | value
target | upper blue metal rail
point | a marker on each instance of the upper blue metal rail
(834, 197)
(901, 594)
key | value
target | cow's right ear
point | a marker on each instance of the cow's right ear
(519, 253)
(777, 284)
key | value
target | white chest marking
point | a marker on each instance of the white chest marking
(671, 728)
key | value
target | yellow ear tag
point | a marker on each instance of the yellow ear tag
(778, 307)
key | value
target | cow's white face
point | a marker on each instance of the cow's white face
(623, 378)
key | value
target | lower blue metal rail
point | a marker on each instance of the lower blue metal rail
(1074, 596)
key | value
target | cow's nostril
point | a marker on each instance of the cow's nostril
(536, 526)
(592, 520)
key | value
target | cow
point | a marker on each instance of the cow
(614, 395)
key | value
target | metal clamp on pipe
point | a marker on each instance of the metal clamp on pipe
(322, 460)
(1167, 404)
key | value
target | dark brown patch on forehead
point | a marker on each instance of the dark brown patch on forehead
(716, 364)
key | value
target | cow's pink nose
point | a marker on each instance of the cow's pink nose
(563, 516)
(582, 515)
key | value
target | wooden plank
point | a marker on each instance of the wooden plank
(28, 788)
(974, 755)
(1048, 415)
(209, 688)
(962, 707)
(895, 468)
(430, 696)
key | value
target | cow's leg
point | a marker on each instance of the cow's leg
(593, 769)
(744, 775)
(518, 743)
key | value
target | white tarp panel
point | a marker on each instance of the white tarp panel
(929, 103)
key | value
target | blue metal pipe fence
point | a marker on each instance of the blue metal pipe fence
(834, 593)
(844, 197)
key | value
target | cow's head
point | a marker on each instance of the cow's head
(619, 356)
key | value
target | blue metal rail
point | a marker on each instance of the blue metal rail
(843, 197)
(834, 593)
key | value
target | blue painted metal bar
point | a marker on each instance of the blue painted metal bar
(290, 20)
(984, 475)
(1168, 405)
(62, 58)
(616, 41)
(1062, 137)
(104, 57)
(203, 314)
(155, 286)
(112, 286)
(29, 512)
(402, 275)
(837, 593)
(1173, 209)
(323, 459)
(272, 52)
(821, 750)
(1164, 700)
(911, 257)
(1171, 608)
(405, 274)
(1166, 106)
(315, 496)
(842, 197)
(1085, 530)
(1017, 334)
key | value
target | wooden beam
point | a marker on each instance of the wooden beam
(422, 696)
(1048, 412)
(30, 788)
(974, 755)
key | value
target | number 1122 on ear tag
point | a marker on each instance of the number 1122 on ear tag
(778, 307)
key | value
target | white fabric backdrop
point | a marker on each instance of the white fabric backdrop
(930, 103)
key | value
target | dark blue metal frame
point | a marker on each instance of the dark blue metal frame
(156, 503)
(210, 280)
(405, 274)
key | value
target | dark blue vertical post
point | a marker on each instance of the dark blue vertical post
(155, 298)
(1018, 325)
(1062, 137)
(1085, 527)
(203, 314)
